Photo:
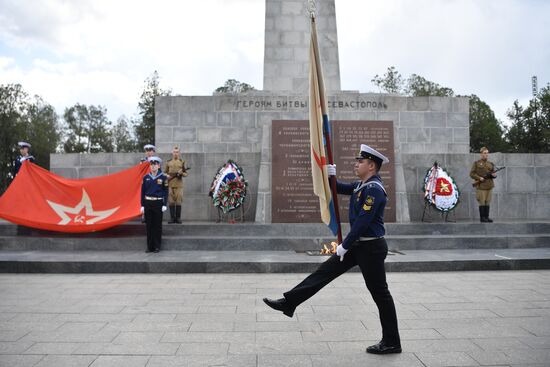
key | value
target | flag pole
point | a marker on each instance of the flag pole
(326, 130)
(332, 181)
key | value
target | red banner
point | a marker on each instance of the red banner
(40, 199)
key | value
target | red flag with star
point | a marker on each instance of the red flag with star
(40, 199)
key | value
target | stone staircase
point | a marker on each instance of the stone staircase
(211, 247)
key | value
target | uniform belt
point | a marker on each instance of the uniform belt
(152, 198)
(369, 238)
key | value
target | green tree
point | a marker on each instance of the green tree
(418, 86)
(530, 130)
(122, 136)
(485, 129)
(233, 86)
(87, 129)
(145, 125)
(25, 119)
(44, 131)
(13, 107)
(391, 82)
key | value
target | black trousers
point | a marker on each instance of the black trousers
(370, 256)
(153, 221)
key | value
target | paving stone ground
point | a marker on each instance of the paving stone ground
(484, 318)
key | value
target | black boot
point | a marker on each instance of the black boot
(280, 304)
(384, 348)
(487, 214)
(178, 214)
(172, 215)
(482, 214)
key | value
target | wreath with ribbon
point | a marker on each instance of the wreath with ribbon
(228, 188)
(440, 189)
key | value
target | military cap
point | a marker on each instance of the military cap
(154, 159)
(367, 152)
(149, 147)
(23, 144)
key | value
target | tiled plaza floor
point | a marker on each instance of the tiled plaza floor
(446, 319)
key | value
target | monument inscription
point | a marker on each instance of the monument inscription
(293, 200)
(292, 189)
(348, 137)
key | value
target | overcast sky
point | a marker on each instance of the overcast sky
(101, 51)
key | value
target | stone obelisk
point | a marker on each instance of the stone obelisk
(286, 52)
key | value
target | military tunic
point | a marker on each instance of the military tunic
(483, 168)
(175, 169)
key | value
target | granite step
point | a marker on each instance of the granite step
(260, 262)
(281, 242)
(137, 229)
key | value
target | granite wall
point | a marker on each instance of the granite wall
(522, 190)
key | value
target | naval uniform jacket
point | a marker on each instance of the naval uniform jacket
(366, 209)
(19, 162)
(154, 186)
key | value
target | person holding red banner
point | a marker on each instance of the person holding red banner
(154, 195)
(25, 156)
(150, 151)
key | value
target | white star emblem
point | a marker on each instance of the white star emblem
(81, 218)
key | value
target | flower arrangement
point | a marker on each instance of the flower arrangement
(228, 189)
(440, 189)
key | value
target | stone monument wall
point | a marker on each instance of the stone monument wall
(522, 190)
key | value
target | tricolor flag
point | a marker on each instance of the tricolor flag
(40, 199)
(318, 120)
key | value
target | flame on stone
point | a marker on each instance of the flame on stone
(329, 251)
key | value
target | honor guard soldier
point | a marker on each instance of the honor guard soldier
(364, 246)
(176, 170)
(154, 193)
(483, 172)
(150, 150)
(24, 156)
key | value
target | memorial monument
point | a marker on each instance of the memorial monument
(265, 132)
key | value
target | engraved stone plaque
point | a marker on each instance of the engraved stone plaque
(348, 137)
(293, 200)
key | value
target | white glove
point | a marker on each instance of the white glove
(341, 251)
(142, 210)
(163, 208)
(331, 169)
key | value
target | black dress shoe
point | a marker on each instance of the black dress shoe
(156, 250)
(148, 251)
(383, 348)
(280, 304)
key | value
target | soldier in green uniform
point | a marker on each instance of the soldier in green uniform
(175, 170)
(483, 173)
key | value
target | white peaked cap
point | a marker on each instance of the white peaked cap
(154, 159)
(372, 154)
